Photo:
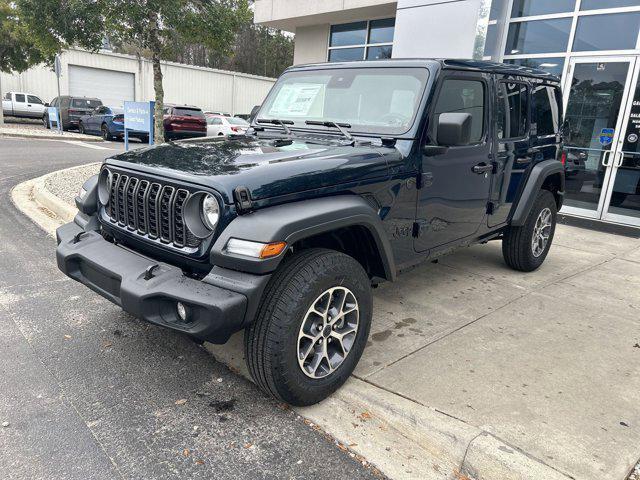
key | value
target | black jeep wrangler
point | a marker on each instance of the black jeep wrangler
(350, 174)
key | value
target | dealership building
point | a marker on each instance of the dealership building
(592, 45)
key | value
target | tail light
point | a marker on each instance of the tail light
(563, 157)
(118, 118)
(235, 129)
(74, 112)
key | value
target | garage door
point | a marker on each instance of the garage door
(110, 86)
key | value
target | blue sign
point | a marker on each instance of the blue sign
(606, 136)
(138, 116)
(54, 117)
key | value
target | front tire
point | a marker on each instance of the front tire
(525, 248)
(81, 128)
(311, 328)
(105, 133)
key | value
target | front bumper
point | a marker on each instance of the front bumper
(122, 276)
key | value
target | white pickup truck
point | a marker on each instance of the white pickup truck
(20, 104)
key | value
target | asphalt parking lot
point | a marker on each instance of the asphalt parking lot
(89, 392)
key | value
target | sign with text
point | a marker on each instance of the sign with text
(138, 117)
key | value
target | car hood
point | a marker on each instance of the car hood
(266, 167)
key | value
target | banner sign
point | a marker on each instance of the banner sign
(54, 117)
(138, 116)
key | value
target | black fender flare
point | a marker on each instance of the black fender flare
(539, 173)
(296, 221)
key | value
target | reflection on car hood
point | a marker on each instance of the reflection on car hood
(266, 167)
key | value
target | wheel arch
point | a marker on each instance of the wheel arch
(344, 223)
(546, 175)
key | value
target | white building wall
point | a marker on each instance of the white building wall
(436, 28)
(205, 87)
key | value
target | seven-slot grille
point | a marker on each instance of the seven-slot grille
(150, 209)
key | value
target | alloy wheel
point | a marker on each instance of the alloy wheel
(328, 332)
(541, 232)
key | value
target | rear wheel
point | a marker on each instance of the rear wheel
(105, 132)
(525, 248)
(311, 328)
(45, 122)
(81, 128)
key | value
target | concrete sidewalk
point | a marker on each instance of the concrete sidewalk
(28, 130)
(475, 370)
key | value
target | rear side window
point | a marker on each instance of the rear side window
(544, 112)
(34, 99)
(7, 96)
(511, 116)
(463, 96)
(20, 97)
(214, 121)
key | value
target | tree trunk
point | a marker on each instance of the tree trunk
(154, 41)
(1, 109)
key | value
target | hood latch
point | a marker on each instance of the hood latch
(243, 199)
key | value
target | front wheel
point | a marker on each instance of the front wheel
(105, 133)
(311, 327)
(81, 128)
(525, 248)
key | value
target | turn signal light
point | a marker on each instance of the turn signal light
(248, 248)
(563, 158)
(272, 249)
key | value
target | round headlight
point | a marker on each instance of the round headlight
(210, 211)
(104, 186)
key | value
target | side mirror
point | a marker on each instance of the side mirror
(454, 129)
(46, 104)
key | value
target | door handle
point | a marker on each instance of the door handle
(606, 159)
(523, 160)
(618, 159)
(482, 168)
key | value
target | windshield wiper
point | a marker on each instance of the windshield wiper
(329, 123)
(277, 121)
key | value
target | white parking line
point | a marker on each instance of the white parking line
(83, 144)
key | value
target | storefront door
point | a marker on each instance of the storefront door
(602, 144)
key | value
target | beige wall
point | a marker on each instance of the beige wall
(311, 44)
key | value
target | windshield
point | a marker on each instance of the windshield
(85, 103)
(370, 100)
(237, 121)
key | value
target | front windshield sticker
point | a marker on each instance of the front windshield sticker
(295, 99)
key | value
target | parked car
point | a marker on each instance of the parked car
(218, 113)
(219, 126)
(71, 109)
(351, 174)
(109, 123)
(183, 121)
(24, 105)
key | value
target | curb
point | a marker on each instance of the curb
(51, 137)
(403, 439)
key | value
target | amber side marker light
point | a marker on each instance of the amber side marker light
(248, 248)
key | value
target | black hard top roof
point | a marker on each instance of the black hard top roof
(456, 64)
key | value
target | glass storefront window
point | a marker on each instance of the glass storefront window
(598, 4)
(381, 31)
(346, 54)
(617, 31)
(491, 40)
(528, 8)
(553, 65)
(348, 34)
(378, 53)
(369, 40)
(497, 7)
(538, 36)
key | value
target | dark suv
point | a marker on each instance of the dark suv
(184, 121)
(350, 174)
(71, 109)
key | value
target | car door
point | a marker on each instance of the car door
(513, 151)
(20, 105)
(454, 184)
(35, 106)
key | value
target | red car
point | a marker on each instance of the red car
(183, 121)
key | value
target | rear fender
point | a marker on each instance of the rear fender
(542, 171)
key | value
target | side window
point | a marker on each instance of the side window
(20, 97)
(34, 99)
(463, 96)
(544, 112)
(511, 116)
(54, 102)
(7, 96)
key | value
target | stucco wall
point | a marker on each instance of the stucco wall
(311, 44)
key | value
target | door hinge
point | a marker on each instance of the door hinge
(243, 199)
(416, 230)
(424, 180)
(491, 208)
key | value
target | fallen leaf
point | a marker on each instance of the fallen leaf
(186, 452)
(248, 445)
(353, 445)
(107, 344)
(182, 401)
(199, 462)
(365, 416)
(67, 337)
